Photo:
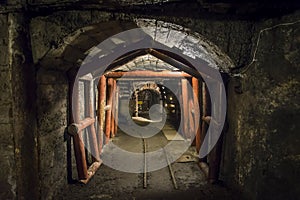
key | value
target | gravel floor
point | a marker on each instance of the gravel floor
(109, 183)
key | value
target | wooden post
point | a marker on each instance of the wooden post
(78, 142)
(69, 138)
(185, 105)
(116, 109)
(216, 153)
(204, 113)
(113, 108)
(195, 85)
(136, 114)
(191, 126)
(101, 110)
(180, 108)
(75, 128)
(91, 112)
(108, 112)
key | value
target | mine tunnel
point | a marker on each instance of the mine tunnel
(160, 99)
(156, 105)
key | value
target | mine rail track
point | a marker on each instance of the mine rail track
(145, 174)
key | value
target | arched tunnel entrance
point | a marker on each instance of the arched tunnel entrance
(102, 100)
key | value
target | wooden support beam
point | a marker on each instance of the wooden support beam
(216, 153)
(185, 108)
(175, 63)
(91, 112)
(101, 110)
(215, 161)
(195, 85)
(204, 113)
(191, 118)
(117, 109)
(91, 172)
(108, 112)
(136, 112)
(147, 73)
(113, 108)
(69, 139)
(79, 149)
(75, 128)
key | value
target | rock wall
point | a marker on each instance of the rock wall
(7, 164)
(18, 116)
(262, 147)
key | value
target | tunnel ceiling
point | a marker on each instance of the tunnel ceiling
(254, 9)
(90, 46)
(146, 62)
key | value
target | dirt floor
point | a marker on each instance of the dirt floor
(109, 183)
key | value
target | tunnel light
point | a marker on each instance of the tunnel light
(166, 105)
(163, 87)
(171, 98)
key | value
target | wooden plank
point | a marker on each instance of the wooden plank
(185, 105)
(91, 112)
(75, 128)
(147, 73)
(79, 149)
(108, 112)
(113, 107)
(195, 85)
(101, 110)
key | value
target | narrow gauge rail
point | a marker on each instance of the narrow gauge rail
(145, 174)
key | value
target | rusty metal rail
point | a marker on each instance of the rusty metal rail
(145, 174)
(145, 164)
(171, 170)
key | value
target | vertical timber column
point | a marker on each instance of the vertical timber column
(92, 136)
(24, 113)
(191, 127)
(79, 149)
(108, 112)
(180, 108)
(101, 110)
(113, 108)
(185, 104)
(136, 113)
(195, 85)
(204, 113)
(116, 109)
(215, 154)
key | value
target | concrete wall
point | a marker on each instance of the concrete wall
(262, 145)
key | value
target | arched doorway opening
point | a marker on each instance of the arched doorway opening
(214, 58)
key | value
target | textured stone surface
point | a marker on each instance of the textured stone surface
(23, 107)
(7, 172)
(262, 145)
(52, 108)
(52, 162)
(7, 164)
(5, 87)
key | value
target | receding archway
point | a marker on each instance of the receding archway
(70, 55)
